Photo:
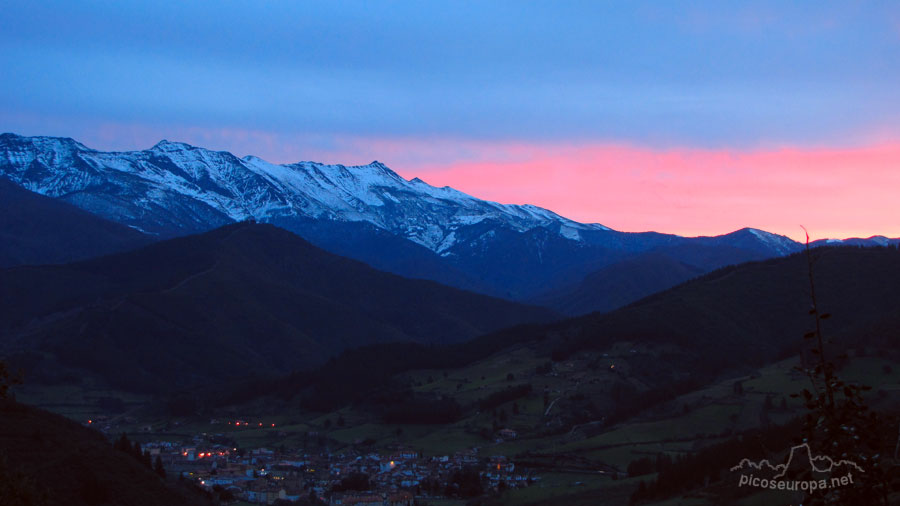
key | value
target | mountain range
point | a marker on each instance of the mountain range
(723, 325)
(245, 299)
(235, 285)
(745, 316)
(368, 213)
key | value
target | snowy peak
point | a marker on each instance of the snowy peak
(752, 239)
(175, 188)
(783, 245)
(172, 180)
(367, 212)
(376, 165)
(875, 240)
(43, 142)
(166, 146)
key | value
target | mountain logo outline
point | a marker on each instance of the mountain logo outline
(826, 463)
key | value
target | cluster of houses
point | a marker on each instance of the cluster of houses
(395, 478)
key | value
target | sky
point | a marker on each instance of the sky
(695, 118)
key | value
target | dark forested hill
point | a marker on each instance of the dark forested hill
(621, 283)
(240, 300)
(50, 460)
(35, 229)
(366, 212)
(725, 323)
(755, 312)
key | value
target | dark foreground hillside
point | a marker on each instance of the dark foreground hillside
(50, 460)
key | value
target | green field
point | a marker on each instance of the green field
(677, 427)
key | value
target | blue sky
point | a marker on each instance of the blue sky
(576, 106)
(698, 73)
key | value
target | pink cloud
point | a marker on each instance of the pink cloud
(833, 192)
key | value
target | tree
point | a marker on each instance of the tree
(641, 467)
(123, 444)
(7, 380)
(838, 422)
(158, 467)
(16, 488)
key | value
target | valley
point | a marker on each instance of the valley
(444, 253)
(553, 458)
(259, 360)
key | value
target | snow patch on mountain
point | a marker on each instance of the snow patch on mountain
(569, 233)
(778, 243)
(158, 186)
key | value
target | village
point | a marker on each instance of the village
(393, 476)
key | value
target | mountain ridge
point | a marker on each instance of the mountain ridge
(246, 297)
(365, 212)
(190, 168)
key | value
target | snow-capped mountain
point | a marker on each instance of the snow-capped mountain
(209, 188)
(875, 240)
(365, 212)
